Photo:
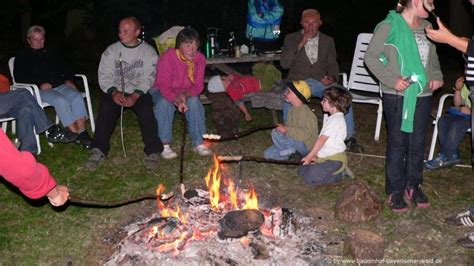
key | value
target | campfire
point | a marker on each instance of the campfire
(223, 224)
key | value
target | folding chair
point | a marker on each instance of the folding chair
(5, 120)
(362, 85)
(435, 124)
(85, 94)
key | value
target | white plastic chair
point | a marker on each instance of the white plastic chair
(86, 94)
(361, 81)
(5, 120)
(440, 111)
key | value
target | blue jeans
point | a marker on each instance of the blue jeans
(405, 151)
(317, 90)
(283, 146)
(164, 114)
(451, 130)
(22, 106)
(67, 102)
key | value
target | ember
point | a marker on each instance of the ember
(191, 229)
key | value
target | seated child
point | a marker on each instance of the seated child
(326, 161)
(451, 127)
(236, 87)
(299, 134)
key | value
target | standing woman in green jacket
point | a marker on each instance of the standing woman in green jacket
(407, 66)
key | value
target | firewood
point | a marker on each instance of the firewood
(364, 246)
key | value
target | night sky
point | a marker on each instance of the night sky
(343, 19)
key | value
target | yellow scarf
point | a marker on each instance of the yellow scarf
(189, 63)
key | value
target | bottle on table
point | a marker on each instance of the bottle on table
(231, 44)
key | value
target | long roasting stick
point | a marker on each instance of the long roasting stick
(122, 81)
(238, 135)
(229, 159)
(112, 204)
(181, 155)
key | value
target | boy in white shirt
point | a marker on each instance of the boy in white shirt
(326, 161)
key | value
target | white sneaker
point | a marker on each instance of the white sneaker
(168, 153)
(202, 150)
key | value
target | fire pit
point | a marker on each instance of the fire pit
(221, 225)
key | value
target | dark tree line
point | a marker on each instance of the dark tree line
(84, 28)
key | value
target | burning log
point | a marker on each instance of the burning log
(236, 224)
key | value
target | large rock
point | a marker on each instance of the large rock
(358, 203)
(364, 246)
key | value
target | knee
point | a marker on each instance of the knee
(61, 103)
(193, 103)
(162, 103)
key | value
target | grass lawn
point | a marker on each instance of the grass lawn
(33, 232)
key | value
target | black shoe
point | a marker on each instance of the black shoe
(84, 140)
(396, 203)
(295, 157)
(353, 146)
(56, 134)
(417, 196)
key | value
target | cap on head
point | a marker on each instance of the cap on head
(310, 13)
(300, 89)
(215, 84)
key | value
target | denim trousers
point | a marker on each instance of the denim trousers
(22, 106)
(317, 90)
(67, 101)
(283, 146)
(405, 151)
(452, 129)
(164, 114)
(109, 113)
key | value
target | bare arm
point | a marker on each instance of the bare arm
(443, 35)
(316, 148)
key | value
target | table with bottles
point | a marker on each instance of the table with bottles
(223, 63)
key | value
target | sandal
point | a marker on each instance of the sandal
(460, 219)
(467, 241)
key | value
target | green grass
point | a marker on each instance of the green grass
(33, 232)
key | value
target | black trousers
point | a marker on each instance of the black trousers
(472, 126)
(109, 113)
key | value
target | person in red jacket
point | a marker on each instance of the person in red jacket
(236, 87)
(33, 179)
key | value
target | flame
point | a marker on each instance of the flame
(168, 212)
(251, 201)
(232, 194)
(231, 198)
(213, 182)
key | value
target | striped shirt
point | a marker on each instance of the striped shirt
(470, 64)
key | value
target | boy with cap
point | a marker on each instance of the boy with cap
(327, 160)
(300, 131)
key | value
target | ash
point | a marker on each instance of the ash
(283, 239)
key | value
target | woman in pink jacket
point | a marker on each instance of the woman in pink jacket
(33, 179)
(179, 81)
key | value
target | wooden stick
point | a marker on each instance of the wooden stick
(181, 155)
(225, 159)
(238, 135)
(112, 204)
